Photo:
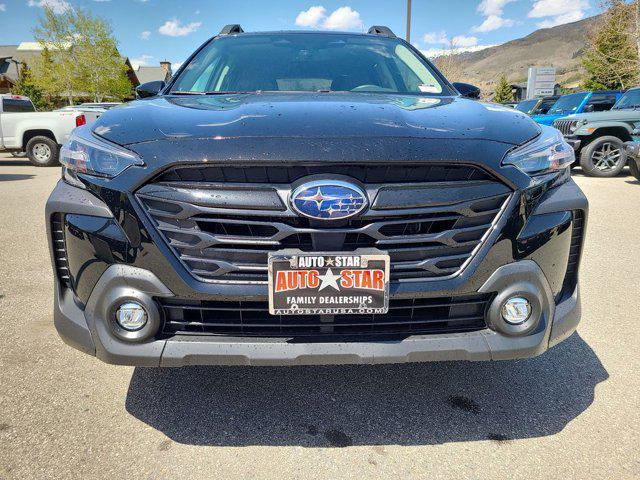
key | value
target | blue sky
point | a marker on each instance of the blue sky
(151, 30)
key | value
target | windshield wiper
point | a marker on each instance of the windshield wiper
(188, 92)
(185, 92)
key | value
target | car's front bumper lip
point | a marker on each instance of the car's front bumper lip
(88, 330)
(574, 142)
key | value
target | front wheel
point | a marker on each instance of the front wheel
(604, 157)
(42, 152)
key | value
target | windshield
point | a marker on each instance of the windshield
(631, 99)
(308, 62)
(526, 106)
(567, 104)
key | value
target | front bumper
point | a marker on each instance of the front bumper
(574, 142)
(88, 330)
(534, 263)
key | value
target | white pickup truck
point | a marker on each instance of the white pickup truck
(39, 134)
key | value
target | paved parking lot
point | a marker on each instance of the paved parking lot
(571, 413)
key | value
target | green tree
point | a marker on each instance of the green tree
(80, 57)
(45, 76)
(56, 35)
(27, 87)
(611, 59)
(504, 92)
(102, 72)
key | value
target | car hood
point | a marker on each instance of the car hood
(312, 115)
(610, 115)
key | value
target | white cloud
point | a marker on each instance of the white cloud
(437, 52)
(3, 7)
(140, 61)
(493, 22)
(172, 28)
(58, 6)
(145, 35)
(492, 10)
(343, 18)
(557, 12)
(311, 18)
(492, 7)
(176, 65)
(462, 41)
(435, 38)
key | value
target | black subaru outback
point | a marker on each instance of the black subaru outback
(314, 198)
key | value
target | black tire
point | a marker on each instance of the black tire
(635, 171)
(37, 148)
(603, 157)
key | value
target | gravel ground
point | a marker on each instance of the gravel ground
(572, 412)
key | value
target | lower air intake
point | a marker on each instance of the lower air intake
(405, 317)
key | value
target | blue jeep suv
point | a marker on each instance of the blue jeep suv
(581, 102)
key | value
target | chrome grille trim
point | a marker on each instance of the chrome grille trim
(564, 126)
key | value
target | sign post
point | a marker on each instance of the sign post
(541, 82)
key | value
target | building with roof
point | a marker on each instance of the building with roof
(146, 73)
(12, 57)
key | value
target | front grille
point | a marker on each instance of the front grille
(225, 231)
(59, 249)
(564, 126)
(405, 317)
(577, 235)
(270, 174)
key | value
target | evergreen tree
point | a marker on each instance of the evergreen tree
(44, 76)
(27, 87)
(611, 60)
(504, 92)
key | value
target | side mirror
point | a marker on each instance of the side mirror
(149, 89)
(588, 109)
(467, 90)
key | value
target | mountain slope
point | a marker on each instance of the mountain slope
(560, 47)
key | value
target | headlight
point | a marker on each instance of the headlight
(575, 125)
(88, 154)
(547, 153)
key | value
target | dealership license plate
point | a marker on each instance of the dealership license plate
(328, 283)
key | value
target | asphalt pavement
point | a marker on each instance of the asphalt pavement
(573, 412)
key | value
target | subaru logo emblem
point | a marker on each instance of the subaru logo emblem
(328, 199)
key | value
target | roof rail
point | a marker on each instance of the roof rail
(381, 30)
(231, 29)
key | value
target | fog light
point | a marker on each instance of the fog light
(516, 310)
(131, 316)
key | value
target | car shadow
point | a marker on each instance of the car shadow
(15, 163)
(12, 177)
(338, 406)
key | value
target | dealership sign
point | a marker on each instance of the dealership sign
(541, 82)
